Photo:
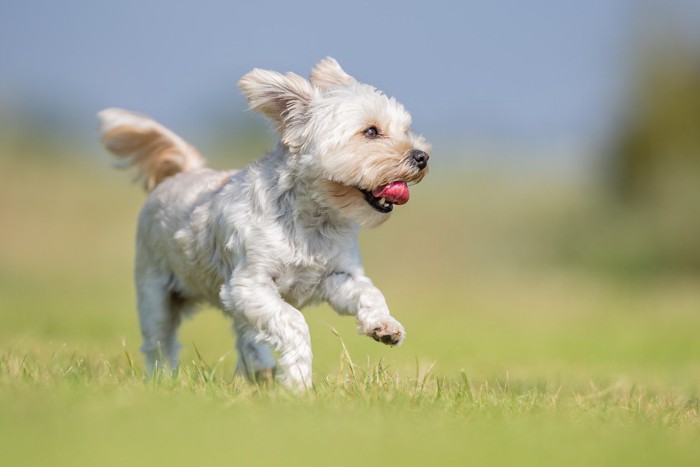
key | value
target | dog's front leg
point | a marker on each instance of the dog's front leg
(352, 293)
(271, 320)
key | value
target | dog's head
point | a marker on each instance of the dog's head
(353, 144)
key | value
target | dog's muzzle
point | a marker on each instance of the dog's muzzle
(384, 198)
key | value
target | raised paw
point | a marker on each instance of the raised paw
(389, 333)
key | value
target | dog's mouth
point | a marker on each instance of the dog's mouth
(384, 198)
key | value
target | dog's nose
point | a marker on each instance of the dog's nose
(420, 158)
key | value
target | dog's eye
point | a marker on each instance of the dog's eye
(371, 132)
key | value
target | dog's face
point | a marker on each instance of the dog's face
(353, 143)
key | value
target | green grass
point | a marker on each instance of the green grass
(512, 356)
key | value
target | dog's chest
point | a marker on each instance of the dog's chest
(302, 270)
(299, 278)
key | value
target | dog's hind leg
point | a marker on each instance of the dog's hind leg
(255, 359)
(160, 313)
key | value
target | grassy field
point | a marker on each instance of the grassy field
(514, 355)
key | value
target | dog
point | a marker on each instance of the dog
(262, 242)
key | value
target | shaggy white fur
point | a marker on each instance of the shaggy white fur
(262, 242)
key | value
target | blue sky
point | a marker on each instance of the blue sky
(518, 71)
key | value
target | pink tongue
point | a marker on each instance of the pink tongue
(395, 192)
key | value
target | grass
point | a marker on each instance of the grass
(512, 356)
(102, 412)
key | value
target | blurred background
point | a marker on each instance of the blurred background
(559, 227)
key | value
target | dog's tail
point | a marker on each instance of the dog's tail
(155, 152)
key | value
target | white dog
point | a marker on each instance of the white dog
(262, 242)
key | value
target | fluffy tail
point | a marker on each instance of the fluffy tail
(155, 152)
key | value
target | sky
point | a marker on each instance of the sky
(518, 72)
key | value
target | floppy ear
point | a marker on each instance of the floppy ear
(282, 98)
(328, 73)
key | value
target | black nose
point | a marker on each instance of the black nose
(420, 158)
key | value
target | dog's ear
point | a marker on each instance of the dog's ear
(282, 98)
(328, 73)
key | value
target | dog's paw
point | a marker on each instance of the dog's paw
(264, 376)
(389, 332)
